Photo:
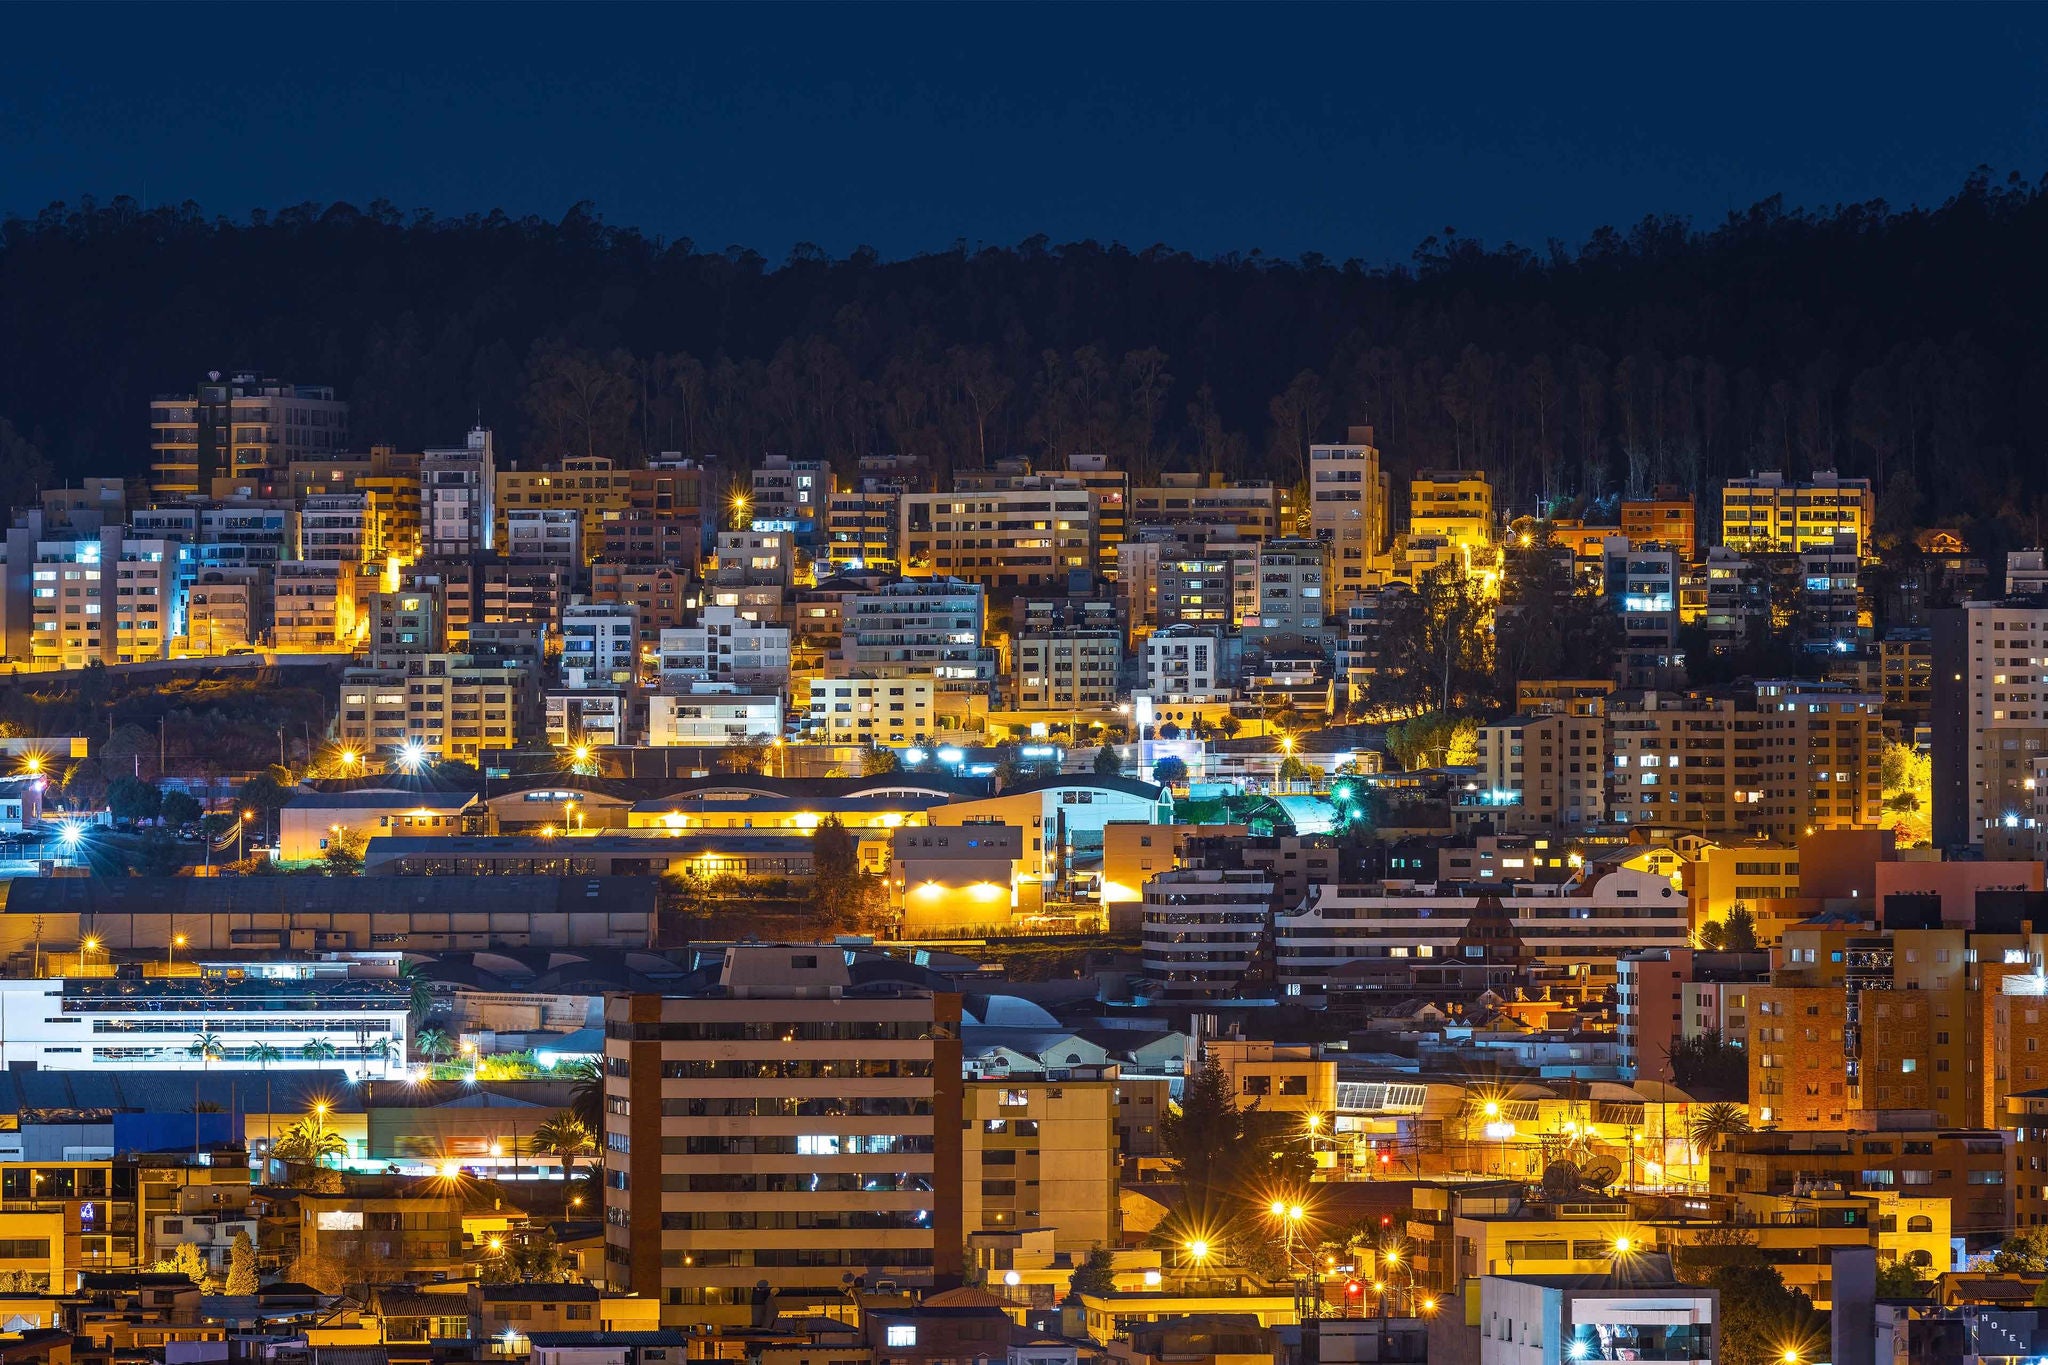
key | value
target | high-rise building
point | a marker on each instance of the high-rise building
(796, 1122)
(445, 706)
(335, 527)
(458, 494)
(1112, 490)
(1544, 771)
(864, 711)
(1765, 514)
(313, 606)
(1196, 590)
(241, 427)
(1202, 928)
(600, 642)
(109, 598)
(1990, 715)
(726, 647)
(1347, 494)
(1641, 586)
(860, 529)
(543, 535)
(920, 628)
(1249, 509)
(790, 496)
(1188, 664)
(1066, 668)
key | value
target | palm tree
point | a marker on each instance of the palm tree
(1712, 1126)
(309, 1142)
(317, 1050)
(263, 1054)
(564, 1135)
(586, 1099)
(206, 1047)
(432, 1044)
(384, 1051)
(419, 990)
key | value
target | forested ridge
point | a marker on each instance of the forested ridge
(1880, 342)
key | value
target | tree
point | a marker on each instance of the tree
(263, 1054)
(206, 1047)
(564, 1135)
(317, 1050)
(1095, 1275)
(1738, 931)
(1712, 1126)
(180, 808)
(308, 1142)
(132, 799)
(241, 1266)
(344, 853)
(1710, 1063)
(1107, 763)
(1908, 777)
(586, 1094)
(188, 1260)
(1292, 769)
(433, 1044)
(1435, 739)
(1202, 1139)
(1229, 725)
(264, 795)
(2024, 1253)
(841, 893)
(876, 761)
(1761, 1318)
(1902, 1280)
(1170, 772)
(419, 993)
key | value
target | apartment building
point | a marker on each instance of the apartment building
(758, 558)
(1249, 510)
(659, 595)
(1642, 588)
(1039, 1155)
(448, 706)
(1665, 520)
(225, 610)
(313, 606)
(334, 527)
(790, 495)
(920, 628)
(393, 530)
(542, 535)
(1189, 664)
(239, 427)
(1201, 928)
(1066, 670)
(458, 497)
(1989, 712)
(1013, 537)
(406, 622)
(1196, 591)
(1766, 514)
(1454, 506)
(713, 1106)
(1829, 618)
(1544, 771)
(716, 718)
(725, 647)
(1348, 507)
(860, 529)
(109, 598)
(864, 711)
(588, 485)
(1293, 586)
(1112, 492)
(1584, 926)
(600, 642)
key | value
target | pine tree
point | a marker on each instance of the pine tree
(242, 1266)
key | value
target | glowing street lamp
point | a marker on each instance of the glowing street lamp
(412, 756)
(1198, 1251)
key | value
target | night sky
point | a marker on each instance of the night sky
(1346, 131)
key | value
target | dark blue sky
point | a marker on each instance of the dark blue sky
(1350, 131)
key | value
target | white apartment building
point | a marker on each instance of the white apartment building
(2026, 573)
(1201, 928)
(600, 642)
(313, 606)
(224, 611)
(712, 720)
(1014, 537)
(892, 711)
(1187, 664)
(1990, 716)
(1585, 926)
(1765, 514)
(193, 1023)
(725, 647)
(458, 495)
(599, 719)
(544, 535)
(1347, 506)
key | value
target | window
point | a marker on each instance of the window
(901, 1334)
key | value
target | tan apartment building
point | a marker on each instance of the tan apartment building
(449, 706)
(1012, 537)
(1451, 505)
(1250, 509)
(1040, 1154)
(1766, 514)
(1347, 507)
(313, 606)
(792, 1125)
(1544, 771)
(1066, 670)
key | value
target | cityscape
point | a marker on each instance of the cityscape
(570, 797)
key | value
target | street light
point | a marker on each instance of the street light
(1198, 1251)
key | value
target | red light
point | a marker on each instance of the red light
(1386, 1220)
(1354, 1287)
(1385, 1159)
